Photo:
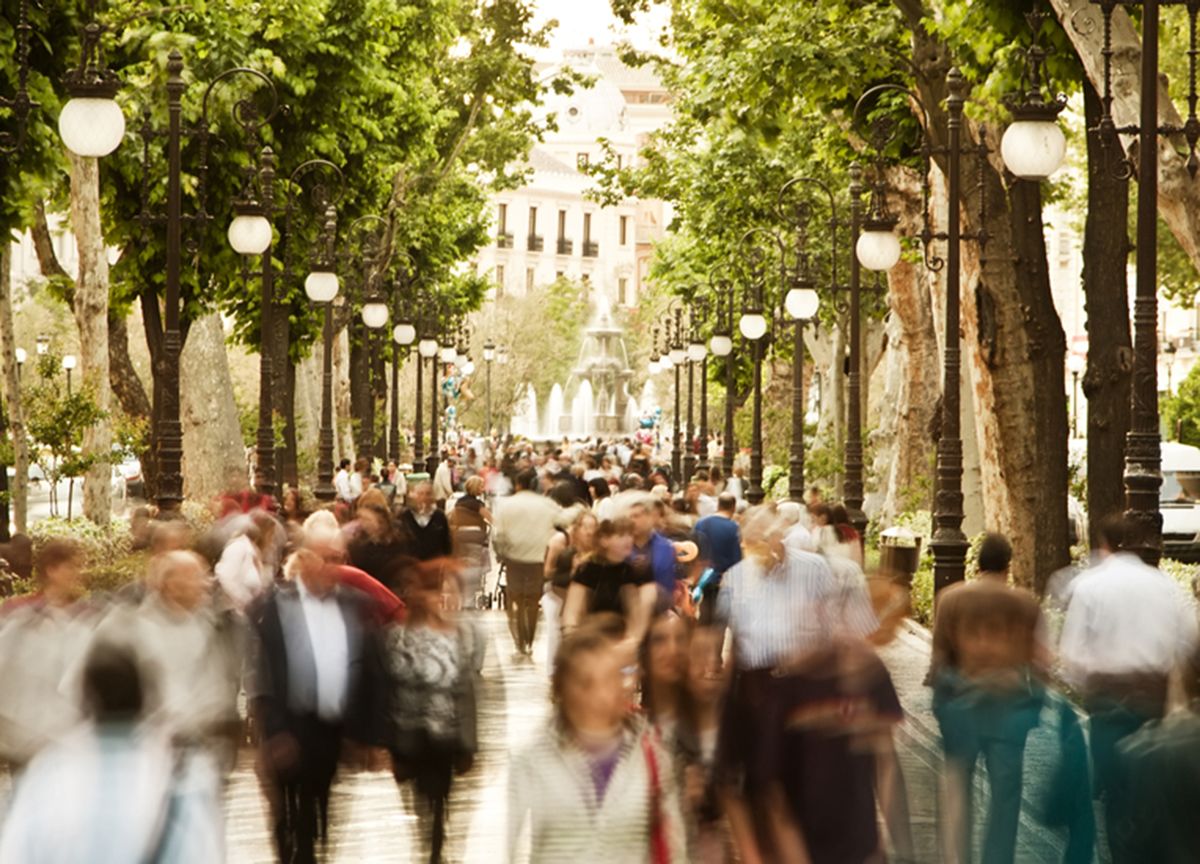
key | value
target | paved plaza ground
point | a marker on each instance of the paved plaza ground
(373, 823)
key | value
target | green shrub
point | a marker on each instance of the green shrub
(921, 595)
(109, 560)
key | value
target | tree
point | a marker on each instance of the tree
(57, 424)
(1181, 411)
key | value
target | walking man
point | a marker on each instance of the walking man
(524, 526)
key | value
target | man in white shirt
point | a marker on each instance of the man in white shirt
(1127, 627)
(523, 528)
(341, 482)
(310, 690)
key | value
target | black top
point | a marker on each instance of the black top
(381, 559)
(564, 567)
(815, 725)
(432, 540)
(607, 581)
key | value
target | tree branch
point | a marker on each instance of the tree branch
(43, 245)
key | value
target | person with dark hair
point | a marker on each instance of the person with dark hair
(523, 528)
(1164, 780)
(341, 482)
(115, 789)
(1127, 627)
(988, 665)
(42, 636)
(608, 583)
(601, 497)
(720, 542)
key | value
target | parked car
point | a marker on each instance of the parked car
(1179, 501)
(135, 483)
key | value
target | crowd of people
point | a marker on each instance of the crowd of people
(715, 689)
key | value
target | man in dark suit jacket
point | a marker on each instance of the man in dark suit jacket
(311, 686)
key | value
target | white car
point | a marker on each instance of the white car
(1179, 501)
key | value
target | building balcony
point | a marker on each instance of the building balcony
(591, 249)
(565, 247)
(504, 240)
(536, 243)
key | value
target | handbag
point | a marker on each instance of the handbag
(659, 850)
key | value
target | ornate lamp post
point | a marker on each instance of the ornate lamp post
(489, 354)
(721, 345)
(677, 354)
(1143, 448)
(403, 336)
(1075, 365)
(852, 487)
(753, 326)
(427, 349)
(698, 356)
(321, 286)
(373, 314)
(878, 248)
(801, 304)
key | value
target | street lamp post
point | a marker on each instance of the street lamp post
(689, 453)
(321, 286)
(697, 353)
(802, 303)
(753, 327)
(250, 234)
(489, 354)
(69, 362)
(427, 349)
(1143, 448)
(852, 487)
(677, 354)
(403, 336)
(1033, 148)
(721, 344)
(374, 316)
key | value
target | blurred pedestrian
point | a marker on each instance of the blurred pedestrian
(427, 526)
(989, 662)
(311, 690)
(608, 583)
(720, 542)
(595, 784)
(1128, 625)
(43, 636)
(431, 662)
(470, 535)
(524, 526)
(115, 790)
(569, 549)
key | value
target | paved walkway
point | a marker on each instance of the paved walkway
(374, 825)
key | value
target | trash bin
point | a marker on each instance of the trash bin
(900, 552)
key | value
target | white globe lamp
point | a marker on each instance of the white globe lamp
(321, 286)
(91, 125)
(802, 304)
(374, 314)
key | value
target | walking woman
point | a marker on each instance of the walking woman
(596, 785)
(607, 582)
(569, 549)
(431, 662)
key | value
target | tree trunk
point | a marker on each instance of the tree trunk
(19, 490)
(213, 451)
(131, 393)
(91, 317)
(1178, 193)
(1013, 339)
(1110, 354)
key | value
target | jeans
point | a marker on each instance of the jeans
(975, 722)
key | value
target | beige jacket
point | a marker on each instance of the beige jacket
(524, 524)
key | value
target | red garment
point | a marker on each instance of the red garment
(846, 533)
(386, 605)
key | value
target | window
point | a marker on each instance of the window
(502, 219)
(620, 161)
(623, 291)
(559, 275)
(562, 224)
(581, 161)
(624, 230)
(587, 227)
(528, 280)
(499, 281)
(532, 221)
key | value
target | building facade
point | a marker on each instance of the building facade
(549, 229)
